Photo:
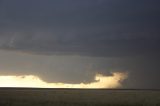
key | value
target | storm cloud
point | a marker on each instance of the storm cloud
(98, 28)
(84, 36)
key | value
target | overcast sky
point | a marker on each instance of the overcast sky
(71, 40)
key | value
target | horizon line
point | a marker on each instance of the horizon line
(34, 88)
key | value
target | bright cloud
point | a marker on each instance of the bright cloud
(102, 81)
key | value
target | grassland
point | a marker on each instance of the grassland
(78, 97)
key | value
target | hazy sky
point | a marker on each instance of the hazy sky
(70, 41)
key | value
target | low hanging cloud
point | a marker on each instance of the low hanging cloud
(113, 81)
(59, 39)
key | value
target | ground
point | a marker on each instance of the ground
(78, 97)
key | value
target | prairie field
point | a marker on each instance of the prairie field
(78, 97)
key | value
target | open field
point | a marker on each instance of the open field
(78, 97)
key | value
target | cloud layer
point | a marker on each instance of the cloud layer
(94, 28)
(59, 39)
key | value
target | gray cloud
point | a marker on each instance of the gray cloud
(143, 71)
(107, 35)
(98, 28)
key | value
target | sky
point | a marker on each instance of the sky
(74, 42)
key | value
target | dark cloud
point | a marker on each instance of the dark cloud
(98, 28)
(127, 31)
(143, 71)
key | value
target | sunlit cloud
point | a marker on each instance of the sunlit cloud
(113, 81)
